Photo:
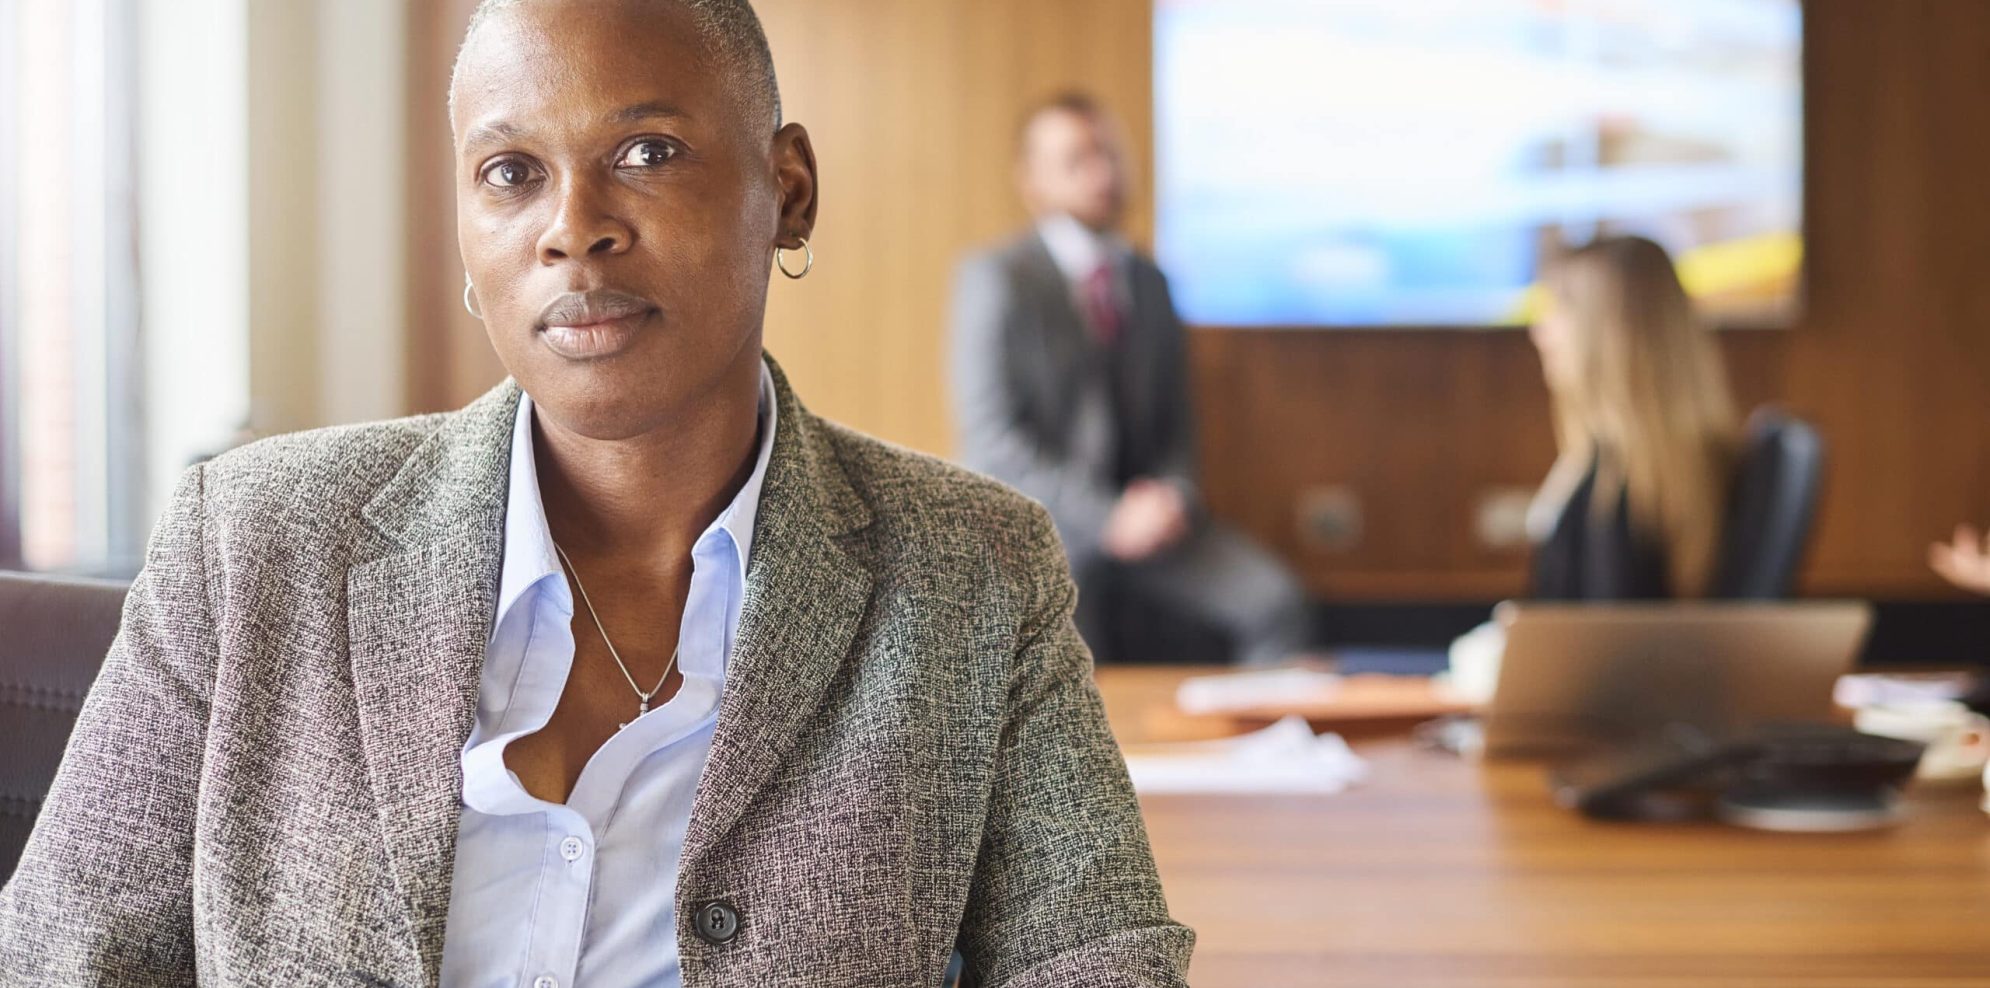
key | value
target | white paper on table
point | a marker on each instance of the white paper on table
(1233, 691)
(1283, 758)
(1475, 659)
(1856, 692)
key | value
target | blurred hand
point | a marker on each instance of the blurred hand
(1965, 561)
(1151, 516)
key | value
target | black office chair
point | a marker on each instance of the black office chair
(53, 636)
(1773, 508)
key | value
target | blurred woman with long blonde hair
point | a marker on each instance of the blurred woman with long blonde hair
(1646, 425)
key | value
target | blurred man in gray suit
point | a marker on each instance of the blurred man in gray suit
(1070, 382)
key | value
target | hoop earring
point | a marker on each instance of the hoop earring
(808, 263)
(468, 299)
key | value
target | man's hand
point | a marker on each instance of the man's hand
(1964, 562)
(1151, 516)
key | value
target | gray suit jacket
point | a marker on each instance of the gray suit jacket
(264, 784)
(1032, 401)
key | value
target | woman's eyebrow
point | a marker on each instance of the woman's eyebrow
(505, 132)
(494, 132)
(648, 111)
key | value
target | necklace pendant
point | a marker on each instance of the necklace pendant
(643, 708)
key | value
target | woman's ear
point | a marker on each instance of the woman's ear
(794, 170)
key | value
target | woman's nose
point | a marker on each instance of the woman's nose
(583, 226)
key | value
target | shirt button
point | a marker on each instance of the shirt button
(570, 849)
(716, 922)
(545, 981)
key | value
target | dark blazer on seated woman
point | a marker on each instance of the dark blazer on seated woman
(264, 786)
(1598, 556)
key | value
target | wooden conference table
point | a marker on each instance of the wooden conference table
(1445, 872)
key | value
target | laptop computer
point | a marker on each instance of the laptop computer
(1574, 676)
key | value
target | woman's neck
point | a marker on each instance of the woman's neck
(650, 496)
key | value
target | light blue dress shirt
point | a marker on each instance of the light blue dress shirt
(548, 895)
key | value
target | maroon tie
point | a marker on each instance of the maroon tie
(1102, 304)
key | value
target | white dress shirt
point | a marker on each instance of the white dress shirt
(1078, 252)
(549, 895)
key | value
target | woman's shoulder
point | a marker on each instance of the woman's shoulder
(918, 498)
(326, 472)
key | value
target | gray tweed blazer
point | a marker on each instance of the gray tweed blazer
(263, 786)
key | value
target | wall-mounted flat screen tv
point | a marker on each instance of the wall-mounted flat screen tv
(1409, 163)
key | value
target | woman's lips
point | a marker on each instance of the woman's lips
(595, 340)
(593, 325)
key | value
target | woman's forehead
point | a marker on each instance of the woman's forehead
(530, 66)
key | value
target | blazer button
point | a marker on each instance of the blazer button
(716, 921)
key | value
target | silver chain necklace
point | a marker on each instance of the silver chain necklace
(643, 706)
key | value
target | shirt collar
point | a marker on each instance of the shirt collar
(529, 556)
(738, 517)
(1075, 248)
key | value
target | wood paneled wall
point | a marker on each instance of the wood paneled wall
(913, 105)
(1893, 362)
(449, 360)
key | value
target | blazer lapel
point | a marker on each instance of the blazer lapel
(1065, 325)
(419, 617)
(1141, 346)
(805, 600)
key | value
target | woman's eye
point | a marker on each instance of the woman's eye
(507, 174)
(647, 154)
